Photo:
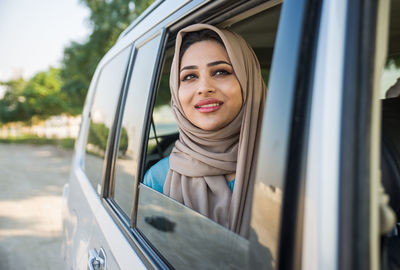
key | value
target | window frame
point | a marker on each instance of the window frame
(112, 128)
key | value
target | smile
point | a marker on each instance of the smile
(208, 105)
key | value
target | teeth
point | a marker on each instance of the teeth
(209, 105)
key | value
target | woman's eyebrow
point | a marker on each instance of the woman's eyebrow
(218, 63)
(189, 67)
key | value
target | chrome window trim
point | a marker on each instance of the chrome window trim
(321, 217)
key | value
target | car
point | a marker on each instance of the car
(317, 201)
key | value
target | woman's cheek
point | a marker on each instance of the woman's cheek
(183, 98)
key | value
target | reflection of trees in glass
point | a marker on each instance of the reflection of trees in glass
(123, 141)
(98, 134)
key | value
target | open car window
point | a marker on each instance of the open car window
(169, 226)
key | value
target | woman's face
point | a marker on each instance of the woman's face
(209, 91)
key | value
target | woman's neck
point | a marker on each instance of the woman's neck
(230, 177)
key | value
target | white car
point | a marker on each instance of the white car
(317, 201)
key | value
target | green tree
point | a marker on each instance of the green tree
(40, 96)
(108, 19)
(43, 96)
(12, 105)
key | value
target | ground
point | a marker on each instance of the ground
(31, 184)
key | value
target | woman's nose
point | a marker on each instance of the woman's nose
(205, 86)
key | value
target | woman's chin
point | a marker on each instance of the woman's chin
(210, 126)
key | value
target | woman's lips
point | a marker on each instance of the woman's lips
(208, 105)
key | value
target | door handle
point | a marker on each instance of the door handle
(97, 259)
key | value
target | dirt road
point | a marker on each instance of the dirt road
(31, 183)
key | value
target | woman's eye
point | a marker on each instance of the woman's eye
(222, 72)
(188, 77)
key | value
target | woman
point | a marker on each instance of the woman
(218, 97)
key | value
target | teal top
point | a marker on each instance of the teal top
(155, 176)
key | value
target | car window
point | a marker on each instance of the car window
(130, 131)
(102, 115)
(169, 226)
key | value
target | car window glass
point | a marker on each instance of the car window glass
(170, 226)
(132, 121)
(102, 115)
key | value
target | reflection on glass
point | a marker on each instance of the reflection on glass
(132, 124)
(102, 114)
(265, 221)
(187, 239)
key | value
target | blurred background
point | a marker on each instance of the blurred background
(48, 53)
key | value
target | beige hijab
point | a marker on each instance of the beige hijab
(201, 159)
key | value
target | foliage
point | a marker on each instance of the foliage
(40, 96)
(98, 135)
(12, 107)
(43, 96)
(108, 19)
(123, 141)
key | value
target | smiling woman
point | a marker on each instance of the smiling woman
(217, 99)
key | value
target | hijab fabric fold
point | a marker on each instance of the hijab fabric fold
(201, 159)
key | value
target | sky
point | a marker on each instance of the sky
(34, 33)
